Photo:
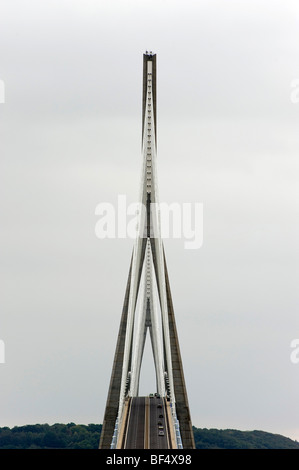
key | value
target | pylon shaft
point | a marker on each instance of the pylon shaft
(148, 281)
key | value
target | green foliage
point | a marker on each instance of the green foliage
(234, 439)
(79, 436)
(57, 436)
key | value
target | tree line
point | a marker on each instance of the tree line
(80, 436)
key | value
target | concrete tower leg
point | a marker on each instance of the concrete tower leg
(116, 375)
(181, 397)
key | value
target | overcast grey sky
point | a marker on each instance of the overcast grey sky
(227, 137)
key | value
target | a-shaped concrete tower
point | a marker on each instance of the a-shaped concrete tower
(161, 419)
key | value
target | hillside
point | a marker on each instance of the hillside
(79, 436)
(234, 439)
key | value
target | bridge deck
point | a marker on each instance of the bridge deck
(147, 425)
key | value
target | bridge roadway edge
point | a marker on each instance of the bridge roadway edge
(148, 439)
(122, 431)
(172, 437)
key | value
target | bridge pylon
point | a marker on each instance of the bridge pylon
(148, 302)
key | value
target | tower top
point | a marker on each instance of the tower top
(149, 54)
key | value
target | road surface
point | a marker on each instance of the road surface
(147, 424)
